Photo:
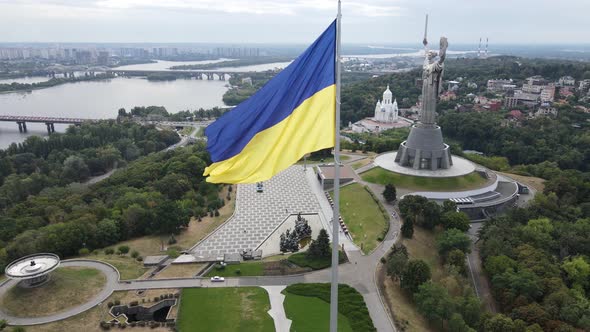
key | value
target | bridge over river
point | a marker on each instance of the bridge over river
(196, 74)
(22, 120)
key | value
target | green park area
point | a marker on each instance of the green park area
(381, 176)
(225, 309)
(308, 306)
(275, 265)
(68, 287)
(362, 215)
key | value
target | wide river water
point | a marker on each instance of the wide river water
(102, 99)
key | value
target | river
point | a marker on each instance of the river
(102, 99)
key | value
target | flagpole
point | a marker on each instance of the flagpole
(336, 213)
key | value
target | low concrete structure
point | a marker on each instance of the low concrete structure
(32, 270)
(460, 167)
(154, 260)
(325, 175)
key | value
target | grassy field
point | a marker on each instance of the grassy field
(307, 314)
(381, 176)
(187, 130)
(536, 183)
(128, 267)
(361, 163)
(68, 287)
(362, 216)
(310, 314)
(89, 320)
(241, 309)
(319, 160)
(255, 268)
(180, 271)
(302, 260)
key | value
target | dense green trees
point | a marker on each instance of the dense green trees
(128, 204)
(88, 150)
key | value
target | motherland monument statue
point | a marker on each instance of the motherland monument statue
(425, 148)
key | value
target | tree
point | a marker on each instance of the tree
(457, 220)
(453, 239)
(75, 169)
(457, 324)
(123, 249)
(320, 247)
(430, 215)
(434, 302)
(302, 228)
(577, 270)
(390, 193)
(109, 251)
(416, 273)
(397, 262)
(407, 228)
(449, 206)
(501, 323)
(456, 258)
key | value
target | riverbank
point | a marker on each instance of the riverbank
(234, 63)
(26, 87)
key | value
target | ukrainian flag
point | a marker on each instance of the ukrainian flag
(292, 115)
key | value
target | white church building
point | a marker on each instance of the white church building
(386, 117)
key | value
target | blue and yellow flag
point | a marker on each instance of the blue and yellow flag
(292, 115)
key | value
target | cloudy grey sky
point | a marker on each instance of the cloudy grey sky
(292, 21)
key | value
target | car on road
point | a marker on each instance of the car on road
(217, 279)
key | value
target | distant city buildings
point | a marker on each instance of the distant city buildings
(237, 52)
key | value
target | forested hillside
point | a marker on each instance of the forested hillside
(154, 195)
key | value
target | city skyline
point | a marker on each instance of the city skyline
(367, 22)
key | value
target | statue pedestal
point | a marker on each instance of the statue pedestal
(424, 149)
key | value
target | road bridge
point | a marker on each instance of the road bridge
(199, 75)
(22, 120)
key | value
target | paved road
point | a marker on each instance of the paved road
(112, 283)
(358, 273)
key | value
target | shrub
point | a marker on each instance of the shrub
(156, 299)
(135, 254)
(83, 251)
(139, 259)
(172, 240)
(109, 251)
(238, 271)
(117, 302)
(110, 304)
(123, 249)
(133, 303)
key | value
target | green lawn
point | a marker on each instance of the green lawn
(246, 269)
(310, 314)
(319, 160)
(362, 216)
(465, 182)
(225, 310)
(308, 306)
(68, 287)
(302, 260)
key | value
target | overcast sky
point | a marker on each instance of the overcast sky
(293, 21)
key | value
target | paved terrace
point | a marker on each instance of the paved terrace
(257, 214)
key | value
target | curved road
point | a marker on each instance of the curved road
(112, 282)
(358, 273)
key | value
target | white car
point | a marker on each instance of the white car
(217, 279)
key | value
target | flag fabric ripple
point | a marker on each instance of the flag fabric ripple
(292, 115)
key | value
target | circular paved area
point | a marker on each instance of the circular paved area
(111, 274)
(460, 167)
